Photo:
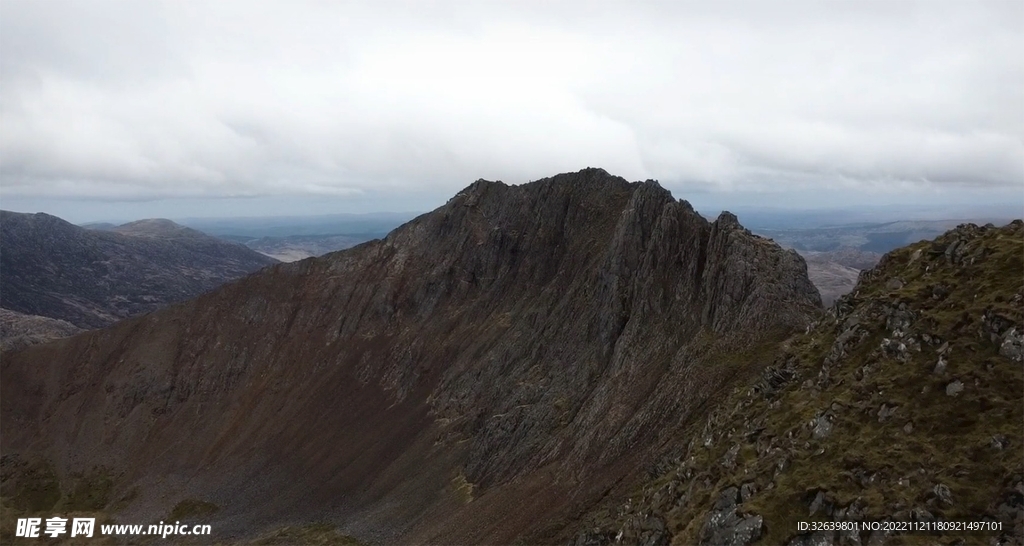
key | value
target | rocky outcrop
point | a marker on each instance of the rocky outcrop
(18, 330)
(901, 404)
(726, 527)
(93, 278)
(484, 373)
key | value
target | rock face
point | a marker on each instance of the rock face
(903, 402)
(725, 527)
(93, 278)
(484, 373)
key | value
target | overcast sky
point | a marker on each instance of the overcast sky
(120, 110)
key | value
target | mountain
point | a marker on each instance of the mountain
(902, 403)
(92, 278)
(488, 372)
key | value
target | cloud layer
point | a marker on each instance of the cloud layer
(139, 100)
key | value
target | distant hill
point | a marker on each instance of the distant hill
(18, 330)
(293, 238)
(100, 226)
(93, 278)
(376, 225)
(159, 228)
(299, 247)
(868, 237)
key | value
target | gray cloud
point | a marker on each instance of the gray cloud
(138, 100)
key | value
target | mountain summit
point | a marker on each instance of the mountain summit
(488, 371)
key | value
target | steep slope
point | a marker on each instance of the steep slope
(903, 404)
(487, 372)
(91, 278)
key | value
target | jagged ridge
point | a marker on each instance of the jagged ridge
(535, 342)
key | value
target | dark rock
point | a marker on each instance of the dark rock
(821, 503)
(1012, 346)
(822, 426)
(920, 514)
(886, 412)
(729, 459)
(725, 526)
(747, 491)
(774, 378)
(593, 538)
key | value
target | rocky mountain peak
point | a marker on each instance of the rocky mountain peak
(728, 220)
(521, 351)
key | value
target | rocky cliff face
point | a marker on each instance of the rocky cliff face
(91, 278)
(486, 373)
(903, 403)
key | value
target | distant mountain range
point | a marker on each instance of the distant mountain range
(376, 223)
(868, 237)
(291, 238)
(92, 278)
